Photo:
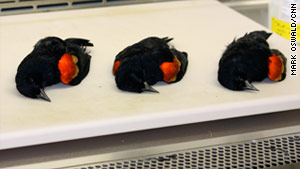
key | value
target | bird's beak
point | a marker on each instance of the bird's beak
(149, 88)
(268, 35)
(249, 86)
(43, 95)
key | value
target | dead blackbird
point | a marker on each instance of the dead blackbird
(250, 59)
(53, 60)
(145, 63)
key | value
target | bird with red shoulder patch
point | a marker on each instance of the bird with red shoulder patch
(249, 59)
(141, 65)
(53, 60)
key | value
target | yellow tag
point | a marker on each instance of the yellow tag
(284, 29)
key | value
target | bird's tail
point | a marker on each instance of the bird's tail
(277, 66)
(263, 34)
(80, 42)
(167, 39)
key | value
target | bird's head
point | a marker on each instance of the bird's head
(30, 86)
(131, 78)
(234, 80)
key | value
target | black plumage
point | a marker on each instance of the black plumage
(244, 61)
(40, 68)
(139, 66)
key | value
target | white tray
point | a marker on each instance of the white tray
(96, 107)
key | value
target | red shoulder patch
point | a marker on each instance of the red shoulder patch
(276, 67)
(68, 68)
(116, 67)
(170, 70)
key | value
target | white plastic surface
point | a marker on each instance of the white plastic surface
(96, 107)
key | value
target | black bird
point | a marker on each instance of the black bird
(143, 64)
(53, 60)
(250, 59)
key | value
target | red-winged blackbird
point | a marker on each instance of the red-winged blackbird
(53, 60)
(143, 64)
(250, 59)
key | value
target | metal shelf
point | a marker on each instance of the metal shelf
(10, 7)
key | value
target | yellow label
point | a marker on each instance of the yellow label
(284, 29)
